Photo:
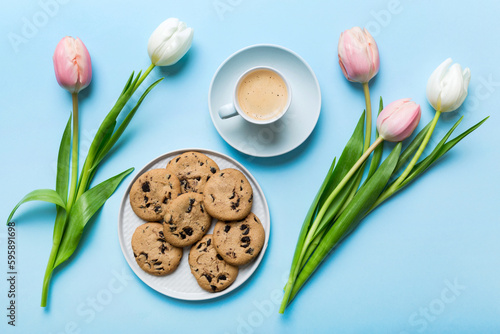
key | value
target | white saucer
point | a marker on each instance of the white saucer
(288, 132)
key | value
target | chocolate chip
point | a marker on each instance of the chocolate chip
(208, 177)
(188, 230)
(222, 277)
(209, 279)
(199, 246)
(249, 251)
(245, 239)
(157, 208)
(227, 228)
(173, 228)
(209, 241)
(251, 199)
(190, 207)
(165, 200)
(176, 160)
(163, 248)
(213, 198)
(236, 204)
(233, 195)
(148, 205)
(201, 163)
(161, 238)
(201, 208)
(244, 226)
(169, 176)
(241, 188)
(246, 231)
(213, 170)
(182, 235)
(198, 178)
(221, 174)
(244, 245)
(213, 287)
(145, 187)
(219, 257)
(146, 199)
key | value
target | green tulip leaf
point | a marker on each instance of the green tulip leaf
(350, 218)
(309, 218)
(350, 155)
(45, 195)
(441, 148)
(82, 211)
(117, 134)
(127, 85)
(63, 161)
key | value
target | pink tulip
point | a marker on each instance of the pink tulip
(398, 120)
(358, 55)
(72, 64)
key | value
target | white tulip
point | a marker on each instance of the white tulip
(169, 42)
(447, 86)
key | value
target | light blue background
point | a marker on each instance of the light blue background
(442, 230)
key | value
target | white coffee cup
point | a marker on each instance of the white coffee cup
(261, 95)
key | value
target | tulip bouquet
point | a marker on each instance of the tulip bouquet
(341, 203)
(76, 203)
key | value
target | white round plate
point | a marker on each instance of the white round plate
(181, 284)
(292, 129)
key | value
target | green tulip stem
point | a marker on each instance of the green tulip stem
(394, 188)
(366, 91)
(74, 153)
(144, 76)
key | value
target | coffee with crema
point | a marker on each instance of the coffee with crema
(262, 95)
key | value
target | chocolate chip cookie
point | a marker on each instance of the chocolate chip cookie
(193, 169)
(228, 195)
(186, 220)
(239, 242)
(210, 270)
(151, 193)
(152, 252)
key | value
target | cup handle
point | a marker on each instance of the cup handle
(227, 111)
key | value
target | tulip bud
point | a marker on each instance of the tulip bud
(169, 42)
(358, 55)
(398, 120)
(447, 86)
(72, 64)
